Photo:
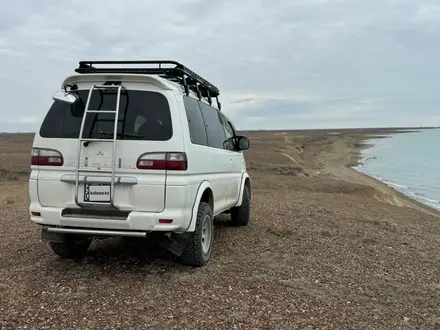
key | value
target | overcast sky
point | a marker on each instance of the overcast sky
(278, 64)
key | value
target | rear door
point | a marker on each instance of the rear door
(145, 127)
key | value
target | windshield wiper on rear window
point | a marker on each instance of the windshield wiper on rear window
(110, 134)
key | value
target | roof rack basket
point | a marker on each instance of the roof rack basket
(177, 73)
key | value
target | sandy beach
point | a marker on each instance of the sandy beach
(327, 248)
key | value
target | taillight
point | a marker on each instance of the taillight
(46, 157)
(175, 161)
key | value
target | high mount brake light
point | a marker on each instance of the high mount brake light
(175, 161)
(46, 157)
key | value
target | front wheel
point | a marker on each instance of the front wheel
(198, 250)
(72, 247)
(240, 215)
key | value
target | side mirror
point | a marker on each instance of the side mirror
(236, 143)
(64, 97)
(242, 143)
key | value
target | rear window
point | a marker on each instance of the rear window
(143, 115)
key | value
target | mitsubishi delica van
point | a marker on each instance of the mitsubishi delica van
(137, 149)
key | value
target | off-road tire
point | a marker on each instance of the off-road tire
(193, 255)
(240, 215)
(72, 248)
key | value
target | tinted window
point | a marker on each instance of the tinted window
(142, 113)
(196, 124)
(229, 132)
(214, 126)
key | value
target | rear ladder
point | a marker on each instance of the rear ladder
(81, 140)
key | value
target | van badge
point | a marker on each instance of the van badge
(99, 152)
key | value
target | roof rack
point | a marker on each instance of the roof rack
(178, 73)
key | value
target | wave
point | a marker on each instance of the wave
(406, 190)
(395, 185)
(410, 192)
(405, 163)
(433, 201)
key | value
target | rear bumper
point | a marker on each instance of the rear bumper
(51, 232)
(178, 209)
(134, 221)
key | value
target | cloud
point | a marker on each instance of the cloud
(311, 63)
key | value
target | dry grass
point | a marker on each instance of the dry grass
(15, 153)
(322, 252)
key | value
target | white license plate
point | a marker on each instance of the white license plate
(97, 193)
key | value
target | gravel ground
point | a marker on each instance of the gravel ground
(326, 249)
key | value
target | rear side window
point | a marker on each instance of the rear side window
(196, 124)
(143, 115)
(214, 126)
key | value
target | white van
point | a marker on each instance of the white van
(137, 151)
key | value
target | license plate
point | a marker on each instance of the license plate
(97, 192)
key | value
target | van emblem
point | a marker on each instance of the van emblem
(100, 152)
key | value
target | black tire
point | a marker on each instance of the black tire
(240, 215)
(194, 253)
(72, 248)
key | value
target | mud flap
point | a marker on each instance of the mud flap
(52, 237)
(175, 243)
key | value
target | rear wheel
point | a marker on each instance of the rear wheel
(74, 246)
(198, 250)
(240, 215)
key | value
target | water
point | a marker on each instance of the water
(408, 162)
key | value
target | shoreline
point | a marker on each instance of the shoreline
(362, 144)
(335, 152)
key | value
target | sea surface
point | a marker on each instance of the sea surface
(408, 162)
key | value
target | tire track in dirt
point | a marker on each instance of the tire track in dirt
(288, 140)
(290, 157)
